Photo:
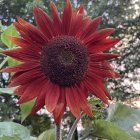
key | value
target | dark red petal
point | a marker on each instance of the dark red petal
(26, 77)
(96, 90)
(22, 54)
(60, 107)
(102, 69)
(91, 28)
(40, 101)
(102, 56)
(26, 43)
(85, 23)
(31, 31)
(104, 65)
(104, 89)
(80, 10)
(20, 90)
(33, 90)
(52, 96)
(105, 73)
(72, 102)
(44, 22)
(76, 24)
(98, 35)
(80, 97)
(57, 23)
(28, 95)
(59, 117)
(15, 75)
(90, 73)
(102, 45)
(21, 67)
(66, 17)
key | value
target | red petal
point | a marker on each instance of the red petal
(15, 75)
(85, 23)
(52, 96)
(21, 67)
(33, 90)
(76, 24)
(59, 117)
(102, 57)
(44, 22)
(22, 54)
(57, 23)
(31, 31)
(66, 18)
(96, 90)
(80, 10)
(98, 35)
(40, 101)
(104, 65)
(91, 27)
(60, 107)
(105, 73)
(82, 99)
(72, 102)
(102, 45)
(38, 104)
(104, 89)
(102, 69)
(90, 73)
(20, 90)
(26, 77)
(26, 44)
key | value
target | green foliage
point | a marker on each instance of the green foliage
(40, 123)
(10, 31)
(125, 117)
(107, 130)
(33, 138)
(26, 109)
(10, 138)
(12, 129)
(7, 90)
(47, 135)
(98, 110)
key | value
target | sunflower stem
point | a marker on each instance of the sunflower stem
(58, 132)
(73, 128)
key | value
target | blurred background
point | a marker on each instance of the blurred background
(123, 15)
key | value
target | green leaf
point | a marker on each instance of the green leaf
(125, 117)
(9, 138)
(47, 135)
(12, 129)
(12, 62)
(110, 131)
(10, 31)
(1, 27)
(7, 90)
(26, 109)
(33, 138)
(4, 61)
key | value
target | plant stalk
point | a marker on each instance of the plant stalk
(58, 135)
(74, 126)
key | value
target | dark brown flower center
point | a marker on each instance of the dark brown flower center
(64, 60)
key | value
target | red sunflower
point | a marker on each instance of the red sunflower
(62, 61)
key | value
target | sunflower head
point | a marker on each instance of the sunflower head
(62, 59)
